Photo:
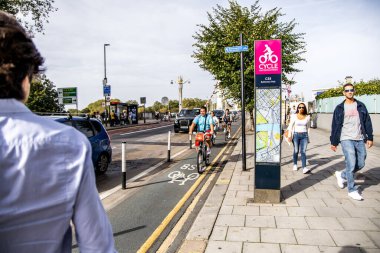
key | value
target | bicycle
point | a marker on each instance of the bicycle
(226, 132)
(265, 57)
(203, 159)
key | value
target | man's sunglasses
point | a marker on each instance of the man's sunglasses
(350, 90)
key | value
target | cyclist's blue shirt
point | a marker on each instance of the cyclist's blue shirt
(203, 122)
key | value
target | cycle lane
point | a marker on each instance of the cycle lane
(135, 219)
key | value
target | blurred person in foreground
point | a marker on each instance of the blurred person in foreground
(47, 176)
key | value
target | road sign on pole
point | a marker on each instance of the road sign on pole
(240, 49)
(67, 96)
(236, 49)
(143, 100)
(107, 90)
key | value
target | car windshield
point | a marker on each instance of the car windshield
(218, 113)
(188, 113)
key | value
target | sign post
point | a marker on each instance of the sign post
(143, 101)
(67, 96)
(242, 48)
(267, 121)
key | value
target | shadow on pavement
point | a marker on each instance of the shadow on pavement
(159, 143)
(347, 249)
(158, 182)
(112, 177)
(128, 230)
(369, 178)
(312, 177)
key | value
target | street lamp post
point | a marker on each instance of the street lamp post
(105, 83)
(180, 83)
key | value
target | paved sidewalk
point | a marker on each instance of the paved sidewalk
(314, 216)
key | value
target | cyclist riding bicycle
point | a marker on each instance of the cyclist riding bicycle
(215, 121)
(205, 124)
(227, 121)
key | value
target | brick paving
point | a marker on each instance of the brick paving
(315, 215)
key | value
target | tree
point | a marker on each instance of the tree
(36, 10)
(370, 87)
(43, 97)
(96, 106)
(132, 102)
(225, 26)
(191, 103)
(157, 106)
(173, 105)
(85, 110)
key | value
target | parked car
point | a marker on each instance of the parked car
(184, 119)
(219, 114)
(98, 137)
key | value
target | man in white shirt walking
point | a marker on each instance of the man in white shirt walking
(47, 176)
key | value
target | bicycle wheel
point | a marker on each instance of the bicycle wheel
(273, 58)
(200, 161)
(226, 135)
(263, 59)
(206, 157)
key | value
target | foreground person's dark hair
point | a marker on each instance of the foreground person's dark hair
(19, 57)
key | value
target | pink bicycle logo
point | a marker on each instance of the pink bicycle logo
(268, 56)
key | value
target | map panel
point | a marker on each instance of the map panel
(268, 125)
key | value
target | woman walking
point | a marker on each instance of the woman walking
(298, 130)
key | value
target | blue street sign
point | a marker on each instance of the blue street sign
(236, 49)
(107, 90)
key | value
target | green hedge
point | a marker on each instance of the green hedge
(362, 88)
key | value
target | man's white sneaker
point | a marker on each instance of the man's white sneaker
(339, 180)
(355, 195)
(305, 170)
(295, 167)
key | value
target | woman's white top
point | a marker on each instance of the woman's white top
(299, 125)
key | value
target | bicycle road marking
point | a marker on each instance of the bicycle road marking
(179, 176)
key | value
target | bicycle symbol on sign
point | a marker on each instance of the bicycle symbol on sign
(268, 55)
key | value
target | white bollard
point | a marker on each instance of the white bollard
(123, 166)
(169, 146)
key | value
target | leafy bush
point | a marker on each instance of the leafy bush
(361, 88)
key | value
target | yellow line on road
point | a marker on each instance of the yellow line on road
(153, 237)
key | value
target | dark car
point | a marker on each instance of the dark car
(219, 114)
(98, 137)
(184, 119)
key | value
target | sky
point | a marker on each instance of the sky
(151, 44)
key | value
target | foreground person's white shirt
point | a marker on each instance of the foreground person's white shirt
(47, 180)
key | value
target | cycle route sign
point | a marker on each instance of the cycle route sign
(268, 63)
(268, 56)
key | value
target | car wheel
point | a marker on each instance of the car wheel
(102, 164)
(176, 130)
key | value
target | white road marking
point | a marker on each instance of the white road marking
(146, 130)
(178, 176)
(109, 192)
